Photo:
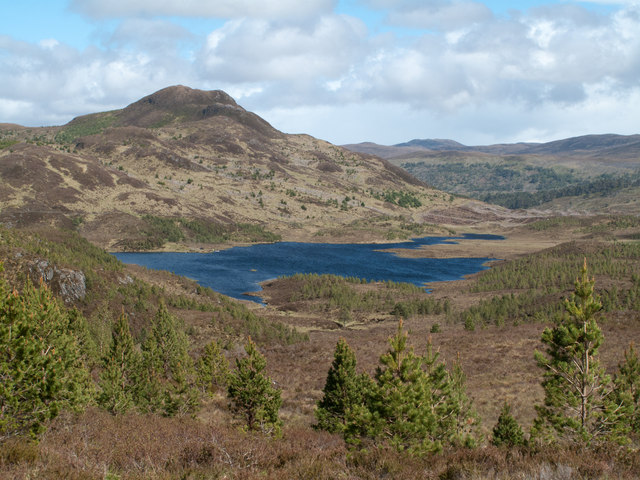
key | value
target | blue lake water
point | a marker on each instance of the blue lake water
(239, 270)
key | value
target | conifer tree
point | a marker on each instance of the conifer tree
(212, 368)
(343, 391)
(168, 367)
(41, 372)
(577, 405)
(410, 405)
(166, 348)
(252, 395)
(466, 422)
(121, 376)
(507, 431)
(80, 330)
(401, 402)
(627, 389)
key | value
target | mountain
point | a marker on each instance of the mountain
(606, 148)
(193, 167)
(433, 144)
(174, 106)
(588, 174)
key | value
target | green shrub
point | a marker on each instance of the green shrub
(507, 431)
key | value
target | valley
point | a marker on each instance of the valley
(593, 173)
(184, 170)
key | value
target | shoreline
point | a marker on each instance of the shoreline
(214, 247)
(512, 245)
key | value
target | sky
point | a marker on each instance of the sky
(346, 71)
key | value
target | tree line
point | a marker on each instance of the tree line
(536, 281)
(605, 184)
(514, 186)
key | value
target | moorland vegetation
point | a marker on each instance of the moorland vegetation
(412, 415)
(189, 169)
(110, 371)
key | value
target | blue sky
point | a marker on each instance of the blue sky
(346, 71)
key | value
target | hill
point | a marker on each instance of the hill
(588, 174)
(607, 148)
(187, 167)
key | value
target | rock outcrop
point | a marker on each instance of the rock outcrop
(69, 284)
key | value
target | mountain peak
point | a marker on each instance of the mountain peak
(178, 104)
(179, 96)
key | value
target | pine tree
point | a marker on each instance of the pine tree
(212, 368)
(166, 348)
(343, 390)
(400, 404)
(41, 372)
(415, 403)
(252, 395)
(627, 389)
(80, 329)
(168, 367)
(577, 405)
(121, 375)
(507, 431)
(464, 430)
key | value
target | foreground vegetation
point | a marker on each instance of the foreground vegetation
(181, 411)
(393, 420)
(154, 447)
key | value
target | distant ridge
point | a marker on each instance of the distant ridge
(589, 173)
(433, 144)
(623, 147)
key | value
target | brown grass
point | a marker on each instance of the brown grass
(498, 362)
(96, 445)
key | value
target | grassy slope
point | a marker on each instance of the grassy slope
(112, 288)
(106, 173)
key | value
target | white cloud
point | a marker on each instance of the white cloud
(273, 9)
(50, 43)
(149, 35)
(10, 108)
(530, 59)
(440, 15)
(458, 68)
(300, 59)
(55, 83)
